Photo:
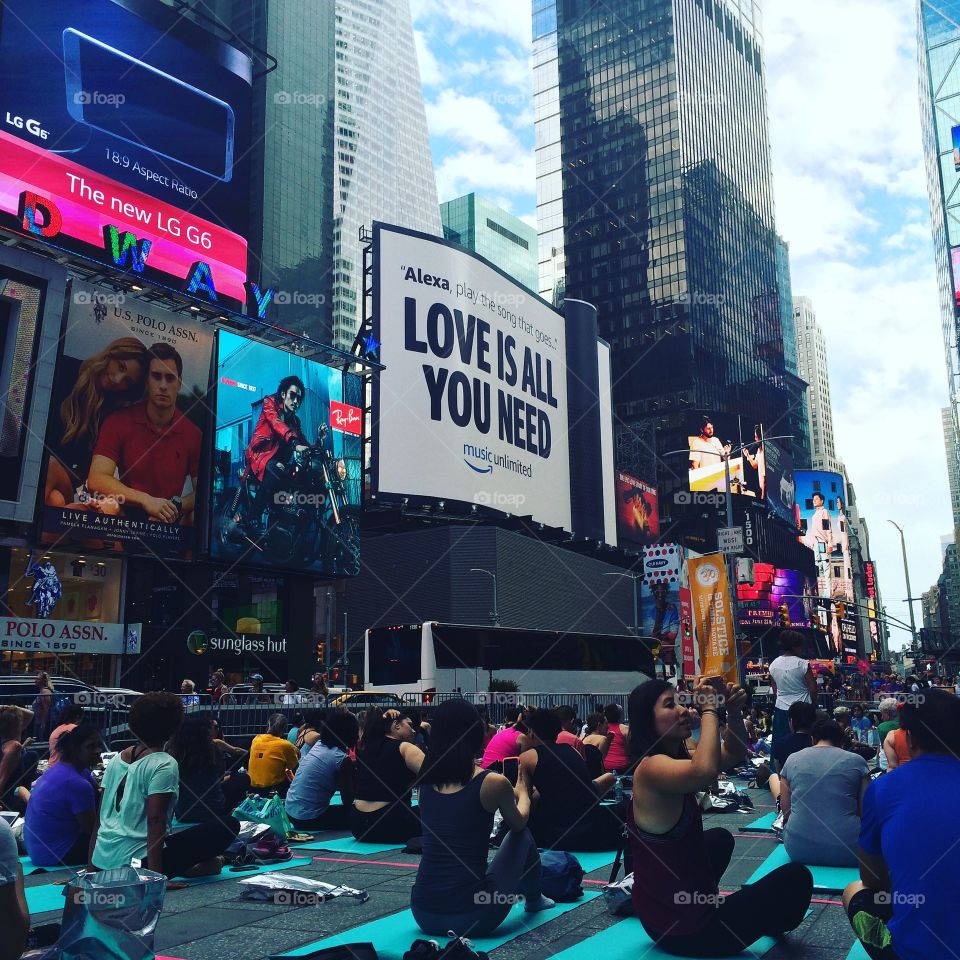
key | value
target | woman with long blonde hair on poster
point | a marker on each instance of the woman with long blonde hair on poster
(107, 381)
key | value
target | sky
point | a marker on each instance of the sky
(851, 201)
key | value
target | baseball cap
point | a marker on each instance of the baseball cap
(256, 678)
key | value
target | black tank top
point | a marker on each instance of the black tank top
(567, 795)
(383, 775)
(456, 840)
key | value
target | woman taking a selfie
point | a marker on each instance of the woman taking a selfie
(677, 865)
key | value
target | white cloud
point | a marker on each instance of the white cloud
(506, 18)
(480, 170)
(470, 121)
(430, 73)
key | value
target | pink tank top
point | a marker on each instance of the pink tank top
(617, 757)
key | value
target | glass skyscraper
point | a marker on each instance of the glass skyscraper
(340, 140)
(938, 27)
(655, 203)
(481, 226)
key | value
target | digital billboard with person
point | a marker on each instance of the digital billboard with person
(126, 424)
(758, 467)
(287, 460)
(822, 517)
(638, 516)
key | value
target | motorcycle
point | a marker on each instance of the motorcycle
(309, 520)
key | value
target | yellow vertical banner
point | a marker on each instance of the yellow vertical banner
(710, 596)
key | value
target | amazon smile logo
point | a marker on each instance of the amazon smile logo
(472, 453)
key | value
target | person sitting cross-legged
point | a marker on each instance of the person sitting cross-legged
(273, 758)
(567, 813)
(326, 768)
(904, 905)
(455, 889)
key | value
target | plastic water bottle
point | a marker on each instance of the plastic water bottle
(617, 787)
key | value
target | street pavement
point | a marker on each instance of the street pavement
(211, 922)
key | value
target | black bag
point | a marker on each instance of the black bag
(562, 876)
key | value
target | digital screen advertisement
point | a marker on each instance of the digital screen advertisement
(660, 617)
(759, 468)
(124, 136)
(774, 593)
(955, 137)
(287, 461)
(638, 514)
(821, 514)
(128, 413)
(472, 405)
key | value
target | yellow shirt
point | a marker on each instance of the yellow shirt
(270, 758)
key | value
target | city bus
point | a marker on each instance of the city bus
(446, 657)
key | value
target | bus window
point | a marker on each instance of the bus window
(394, 656)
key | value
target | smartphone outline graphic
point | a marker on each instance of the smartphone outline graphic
(72, 40)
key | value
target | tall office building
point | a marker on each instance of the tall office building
(655, 203)
(340, 136)
(953, 462)
(811, 350)
(481, 226)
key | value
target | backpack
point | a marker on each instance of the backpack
(561, 875)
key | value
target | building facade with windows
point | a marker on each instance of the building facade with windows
(476, 224)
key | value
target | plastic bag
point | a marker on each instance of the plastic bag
(111, 915)
(287, 889)
(268, 810)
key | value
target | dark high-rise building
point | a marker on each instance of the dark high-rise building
(655, 203)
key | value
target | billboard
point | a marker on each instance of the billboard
(660, 617)
(775, 595)
(760, 469)
(955, 138)
(287, 477)
(472, 405)
(125, 138)
(821, 514)
(638, 514)
(128, 413)
(713, 618)
(870, 573)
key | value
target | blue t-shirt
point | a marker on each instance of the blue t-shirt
(315, 782)
(50, 826)
(910, 819)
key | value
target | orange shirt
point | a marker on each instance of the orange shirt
(270, 758)
(900, 746)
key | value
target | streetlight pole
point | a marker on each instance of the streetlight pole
(495, 614)
(906, 574)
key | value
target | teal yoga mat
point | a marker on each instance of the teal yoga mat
(825, 879)
(348, 845)
(48, 896)
(594, 861)
(393, 935)
(627, 940)
(763, 825)
(857, 952)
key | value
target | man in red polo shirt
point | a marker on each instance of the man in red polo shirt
(145, 453)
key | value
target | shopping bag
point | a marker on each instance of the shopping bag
(111, 915)
(268, 810)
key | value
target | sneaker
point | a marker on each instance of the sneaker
(460, 948)
(271, 850)
(778, 827)
(423, 950)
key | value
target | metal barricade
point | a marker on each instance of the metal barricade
(497, 703)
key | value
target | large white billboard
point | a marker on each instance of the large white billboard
(472, 405)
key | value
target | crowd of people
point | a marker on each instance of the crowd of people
(452, 785)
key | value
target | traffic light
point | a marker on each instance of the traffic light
(321, 651)
(784, 611)
(815, 621)
(841, 609)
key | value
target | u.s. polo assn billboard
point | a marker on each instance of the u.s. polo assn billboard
(473, 403)
(490, 396)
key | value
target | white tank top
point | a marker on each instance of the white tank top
(788, 673)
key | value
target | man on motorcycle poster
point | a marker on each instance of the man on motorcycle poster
(277, 436)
